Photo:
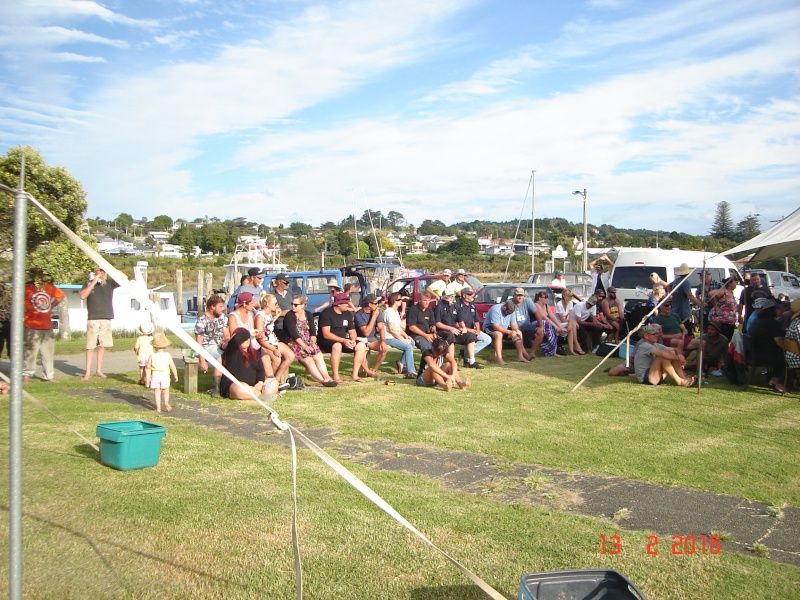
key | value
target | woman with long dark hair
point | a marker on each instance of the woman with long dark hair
(242, 360)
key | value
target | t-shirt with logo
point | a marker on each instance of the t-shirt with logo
(39, 305)
(340, 324)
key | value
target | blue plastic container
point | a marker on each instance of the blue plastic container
(578, 585)
(128, 445)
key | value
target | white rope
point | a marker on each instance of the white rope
(174, 325)
(54, 415)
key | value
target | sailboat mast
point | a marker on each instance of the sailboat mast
(533, 221)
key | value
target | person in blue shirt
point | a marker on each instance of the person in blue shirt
(682, 296)
(501, 324)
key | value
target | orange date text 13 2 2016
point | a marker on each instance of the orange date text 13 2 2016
(680, 544)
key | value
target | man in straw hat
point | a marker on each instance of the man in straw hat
(682, 297)
(653, 362)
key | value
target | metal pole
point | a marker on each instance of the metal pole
(585, 236)
(533, 221)
(15, 403)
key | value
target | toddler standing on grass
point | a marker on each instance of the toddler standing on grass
(143, 347)
(160, 364)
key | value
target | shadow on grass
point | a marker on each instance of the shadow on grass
(447, 592)
(93, 544)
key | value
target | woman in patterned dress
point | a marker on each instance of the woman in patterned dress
(725, 308)
(299, 325)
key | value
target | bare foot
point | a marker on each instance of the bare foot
(167, 407)
(524, 360)
(25, 379)
(101, 375)
(85, 377)
(501, 362)
(356, 380)
(448, 385)
(689, 382)
(464, 385)
(158, 410)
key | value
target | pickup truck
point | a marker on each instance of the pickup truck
(779, 282)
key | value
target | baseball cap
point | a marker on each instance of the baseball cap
(371, 299)
(447, 272)
(760, 303)
(461, 272)
(612, 290)
(449, 294)
(651, 329)
(519, 291)
(341, 298)
(591, 301)
(243, 298)
(559, 272)
(281, 277)
(255, 272)
(467, 290)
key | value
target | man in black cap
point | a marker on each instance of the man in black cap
(284, 296)
(251, 284)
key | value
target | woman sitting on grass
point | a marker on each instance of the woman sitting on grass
(437, 367)
(564, 314)
(242, 361)
(299, 325)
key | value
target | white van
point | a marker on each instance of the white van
(633, 266)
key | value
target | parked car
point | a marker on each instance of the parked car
(579, 283)
(314, 285)
(411, 287)
(495, 293)
(779, 282)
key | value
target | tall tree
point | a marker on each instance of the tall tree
(54, 257)
(396, 219)
(747, 228)
(723, 223)
(162, 222)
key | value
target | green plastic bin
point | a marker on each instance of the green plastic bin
(128, 445)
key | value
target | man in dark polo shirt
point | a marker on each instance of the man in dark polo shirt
(338, 334)
(751, 292)
(447, 327)
(420, 324)
(467, 316)
(98, 293)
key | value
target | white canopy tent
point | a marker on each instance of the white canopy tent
(779, 241)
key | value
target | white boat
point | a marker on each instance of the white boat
(248, 255)
(128, 311)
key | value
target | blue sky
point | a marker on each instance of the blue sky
(285, 111)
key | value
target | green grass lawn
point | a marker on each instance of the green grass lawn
(212, 520)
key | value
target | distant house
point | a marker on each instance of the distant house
(499, 250)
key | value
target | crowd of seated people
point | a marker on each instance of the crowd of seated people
(445, 317)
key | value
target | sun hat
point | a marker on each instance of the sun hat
(333, 283)
(683, 270)
(146, 328)
(651, 329)
(160, 341)
(715, 325)
(518, 291)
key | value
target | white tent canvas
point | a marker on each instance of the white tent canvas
(776, 242)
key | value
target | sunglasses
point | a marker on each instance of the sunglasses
(296, 304)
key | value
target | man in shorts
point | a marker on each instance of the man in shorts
(337, 328)
(211, 332)
(653, 362)
(98, 293)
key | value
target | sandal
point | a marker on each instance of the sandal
(412, 375)
(400, 368)
(330, 383)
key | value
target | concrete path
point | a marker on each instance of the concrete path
(631, 505)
